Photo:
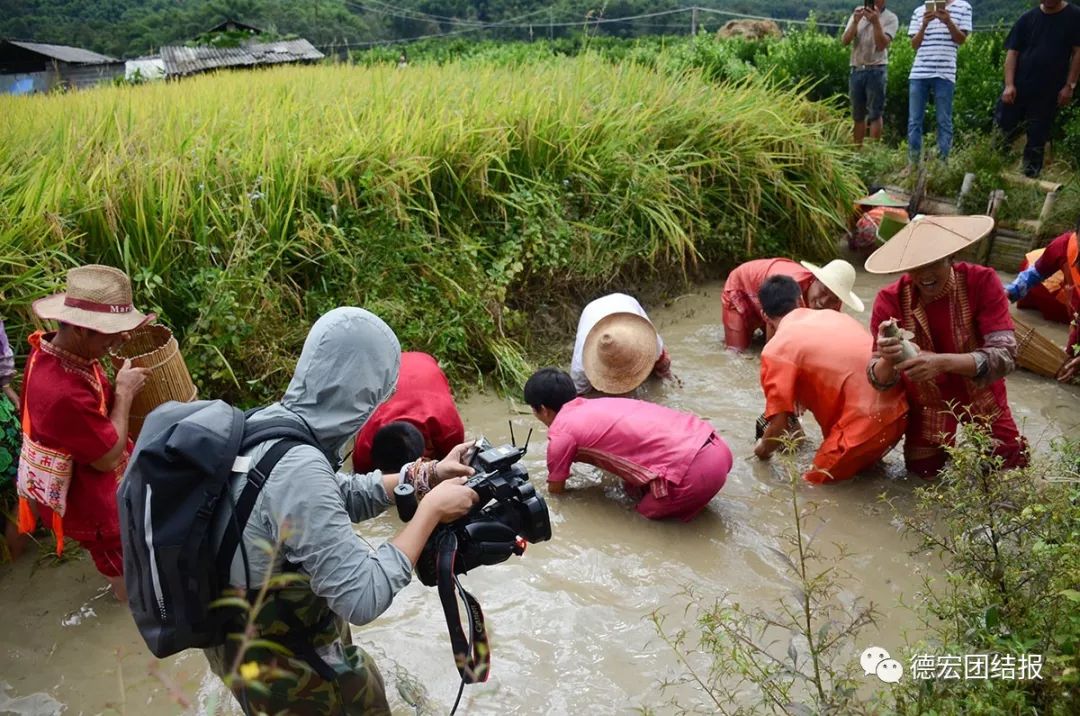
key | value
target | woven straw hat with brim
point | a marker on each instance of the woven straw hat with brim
(881, 198)
(619, 352)
(926, 240)
(839, 277)
(98, 298)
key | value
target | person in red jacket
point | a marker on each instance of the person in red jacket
(423, 399)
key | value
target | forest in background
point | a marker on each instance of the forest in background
(129, 28)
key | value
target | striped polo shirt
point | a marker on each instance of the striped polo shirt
(936, 57)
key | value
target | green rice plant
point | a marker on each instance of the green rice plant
(447, 198)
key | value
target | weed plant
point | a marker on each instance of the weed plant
(447, 199)
(1009, 541)
(793, 657)
(1005, 546)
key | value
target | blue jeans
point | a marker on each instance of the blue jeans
(918, 95)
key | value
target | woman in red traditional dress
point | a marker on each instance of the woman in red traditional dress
(959, 317)
(75, 423)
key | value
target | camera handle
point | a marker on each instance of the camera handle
(405, 500)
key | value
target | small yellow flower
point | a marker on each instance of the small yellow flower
(249, 671)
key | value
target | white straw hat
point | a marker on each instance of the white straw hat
(839, 277)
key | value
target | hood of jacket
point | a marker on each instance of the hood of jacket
(348, 367)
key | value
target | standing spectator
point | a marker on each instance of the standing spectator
(71, 409)
(10, 442)
(1042, 67)
(423, 400)
(935, 35)
(869, 31)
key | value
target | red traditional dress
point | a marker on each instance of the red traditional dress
(742, 309)
(971, 314)
(422, 398)
(68, 400)
(817, 362)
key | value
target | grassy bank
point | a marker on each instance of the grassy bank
(450, 200)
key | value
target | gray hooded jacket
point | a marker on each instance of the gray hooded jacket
(349, 365)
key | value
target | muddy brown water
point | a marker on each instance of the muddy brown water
(568, 620)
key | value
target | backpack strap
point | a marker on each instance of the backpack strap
(259, 431)
(256, 478)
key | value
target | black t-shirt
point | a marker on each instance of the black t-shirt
(1045, 44)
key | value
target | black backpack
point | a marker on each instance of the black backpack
(175, 487)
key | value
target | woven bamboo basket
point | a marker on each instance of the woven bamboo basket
(1036, 352)
(154, 347)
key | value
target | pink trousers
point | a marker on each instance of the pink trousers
(704, 478)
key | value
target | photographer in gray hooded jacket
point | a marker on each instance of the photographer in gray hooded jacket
(348, 366)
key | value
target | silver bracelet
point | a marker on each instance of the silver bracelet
(878, 385)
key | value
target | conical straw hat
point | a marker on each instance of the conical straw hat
(881, 198)
(619, 353)
(928, 239)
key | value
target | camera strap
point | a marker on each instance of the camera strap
(473, 657)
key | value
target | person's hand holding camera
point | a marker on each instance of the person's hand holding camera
(449, 500)
(454, 464)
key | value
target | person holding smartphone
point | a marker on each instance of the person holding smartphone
(1042, 69)
(870, 30)
(937, 30)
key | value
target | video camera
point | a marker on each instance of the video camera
(508, 515)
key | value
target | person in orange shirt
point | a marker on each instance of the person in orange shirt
(816, 361)
(819, 287)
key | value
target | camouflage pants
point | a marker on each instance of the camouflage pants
(288, 684)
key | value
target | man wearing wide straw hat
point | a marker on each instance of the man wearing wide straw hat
(76, 419)
(616, 347)
(958, 316)
(828, 286)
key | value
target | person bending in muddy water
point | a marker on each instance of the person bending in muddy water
(423, 400)
(959, 317)
(822, 287)
(1062, 254)
(673, 460)
(616, 347)
(816, 361)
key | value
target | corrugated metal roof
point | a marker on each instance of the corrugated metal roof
(63, 53)
(188, 60)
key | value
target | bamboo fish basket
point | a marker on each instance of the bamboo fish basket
(1036, 352)
(155, 347)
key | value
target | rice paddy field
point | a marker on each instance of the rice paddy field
(462, 203)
